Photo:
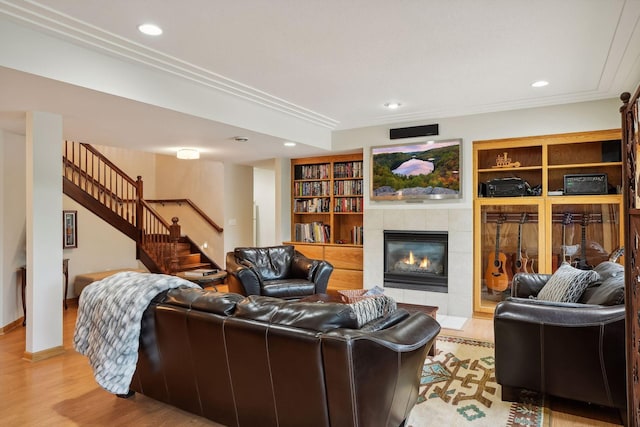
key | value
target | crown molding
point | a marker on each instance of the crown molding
(84, 34)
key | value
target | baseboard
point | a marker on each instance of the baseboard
(44, 354)
(11, 326)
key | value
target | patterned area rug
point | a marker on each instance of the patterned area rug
(458, 388)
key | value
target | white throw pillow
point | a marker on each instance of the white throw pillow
(567, 284)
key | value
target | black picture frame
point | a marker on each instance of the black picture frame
(69, 229)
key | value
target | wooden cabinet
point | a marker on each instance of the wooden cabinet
(537, 231)
(326, 214)
(346, 261)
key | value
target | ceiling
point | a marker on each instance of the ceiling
(330, 63)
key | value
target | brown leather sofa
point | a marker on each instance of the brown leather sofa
(276, 271)
(261, 361)
(570, 350)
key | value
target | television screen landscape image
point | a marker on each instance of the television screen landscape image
(425, 170)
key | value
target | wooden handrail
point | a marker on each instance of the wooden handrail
(155, 213)
(194, 207)
(108, 162)
(99, 185)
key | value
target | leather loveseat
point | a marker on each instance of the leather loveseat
(262, 361)
(276, 271)
(570, 350)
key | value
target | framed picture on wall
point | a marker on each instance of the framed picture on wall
(69, 229)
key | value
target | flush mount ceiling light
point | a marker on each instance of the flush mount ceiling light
(539, 83)
(289, 144)
(392, 105)
(150, 29)
(188, 154)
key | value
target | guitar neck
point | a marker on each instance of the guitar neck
(497, 240)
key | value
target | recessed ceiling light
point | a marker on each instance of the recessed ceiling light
(540, 83)
(289, 144)
(240, 138)
(392, 105)
(150, 29)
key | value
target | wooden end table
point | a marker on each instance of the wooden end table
(23, 282)
(209, 281)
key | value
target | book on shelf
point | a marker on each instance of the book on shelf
(201, 272)
(312, 232)
(356, 235)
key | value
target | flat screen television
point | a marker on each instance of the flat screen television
(416, 171)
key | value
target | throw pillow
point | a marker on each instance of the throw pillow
(610, 292)
(567, 284)
(371, 308)
(609, 269)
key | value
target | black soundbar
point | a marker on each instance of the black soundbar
(413, 131)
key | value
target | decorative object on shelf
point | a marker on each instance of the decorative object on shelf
(69, 229)
(418, 171)
(504, 161)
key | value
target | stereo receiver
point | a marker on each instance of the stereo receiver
(588, 183)
(507, 187)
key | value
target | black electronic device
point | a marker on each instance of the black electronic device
(612, 151)
(413, 131)
(507, 187)
(586, 183)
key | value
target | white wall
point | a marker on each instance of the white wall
(202, 182)
(264, 192)
(238, 206)
(12, 224)
(100, 246)
(457, 214)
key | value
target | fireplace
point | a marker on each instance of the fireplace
(416, 260)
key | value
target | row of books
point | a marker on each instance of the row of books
(348, 204)
(356, 235)
(313, 232)
(320, 171)
(347, 170)
(312, 205)
(347, 188)
(313, 188)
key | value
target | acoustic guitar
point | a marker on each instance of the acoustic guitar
(520, 263)
(581, 263)
(496, 277)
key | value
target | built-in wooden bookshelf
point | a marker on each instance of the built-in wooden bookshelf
(548, 224)
(327, 214)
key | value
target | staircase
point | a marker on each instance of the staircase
(100, 186)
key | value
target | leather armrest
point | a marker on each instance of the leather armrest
(409, 334)
(321, 276)
(303, 267)
(245, 275)
(525, 285)
(556, 313)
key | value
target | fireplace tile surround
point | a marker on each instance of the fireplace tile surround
(458, 301)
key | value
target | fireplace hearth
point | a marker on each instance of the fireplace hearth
(416, 260)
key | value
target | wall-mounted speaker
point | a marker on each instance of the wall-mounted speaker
(413, 131)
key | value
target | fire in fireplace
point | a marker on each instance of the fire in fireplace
(416, 260)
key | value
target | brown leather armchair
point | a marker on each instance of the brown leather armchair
(276, 271)
(570, 350)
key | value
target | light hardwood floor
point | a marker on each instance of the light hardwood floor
(61, 391)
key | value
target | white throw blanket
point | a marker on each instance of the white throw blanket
(108, 324)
